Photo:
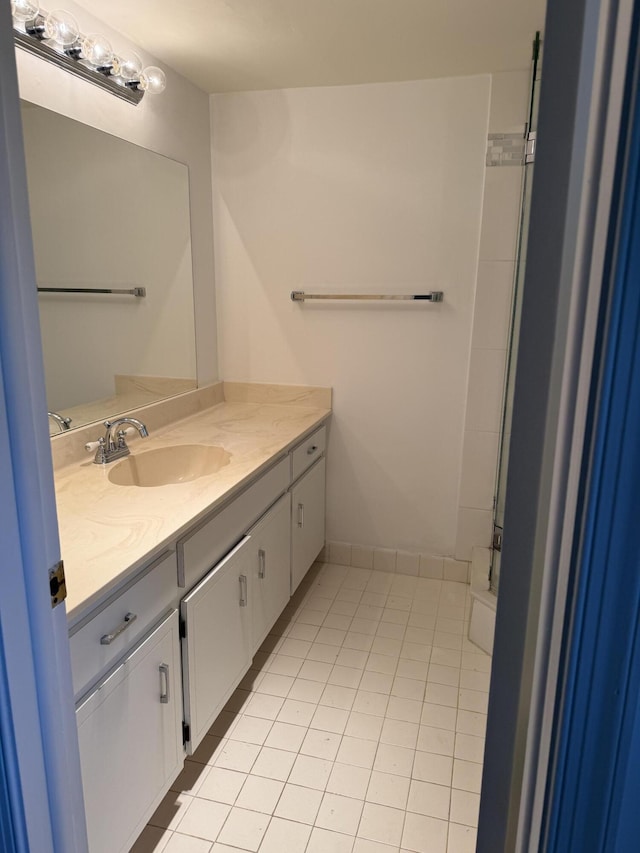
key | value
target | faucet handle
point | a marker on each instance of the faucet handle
(99, 447)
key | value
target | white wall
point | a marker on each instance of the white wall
(359, 188)
(175, 124)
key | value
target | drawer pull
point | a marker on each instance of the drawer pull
(164, 683)
(107, 639)
(262, 564)
(300, 515)
(243, 590)
(311, 450)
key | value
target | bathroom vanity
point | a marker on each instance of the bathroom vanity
(160, 645)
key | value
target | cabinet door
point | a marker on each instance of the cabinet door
(130, 734)
(307, 522)
(216, 648)
(270, 584)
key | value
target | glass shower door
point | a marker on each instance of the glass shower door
(516, 312)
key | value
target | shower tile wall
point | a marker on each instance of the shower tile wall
(496, 269)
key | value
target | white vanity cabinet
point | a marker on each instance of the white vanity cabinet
(129, 730)
(155, 662)
(307, 521)
(271, 568)
(216, 647)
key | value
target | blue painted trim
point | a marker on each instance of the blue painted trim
(593, 797)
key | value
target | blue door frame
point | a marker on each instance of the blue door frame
(593, 794)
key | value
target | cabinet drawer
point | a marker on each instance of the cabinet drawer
(303, 456)
(98, 642)
(202, 549)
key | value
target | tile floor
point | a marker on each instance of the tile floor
(359, 729)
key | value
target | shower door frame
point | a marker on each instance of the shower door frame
(514, 326)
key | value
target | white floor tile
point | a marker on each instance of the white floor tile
(382, 824)
(320, 744)
(285, 835)
(204, 819)
(235, 755)
(394, 759)
(467, 775)
(438, 716)
(386, 789)
(428, 767)
(296, 712)
(273, 763)
(429, 799)
(359, 729)
(298, 803)
(187, 844)
(222, 785)
(260, 794)
(462, 839)
(286, 736)
(325, 841)
(349, 781)
(424, 834)
(339, 814)
(330, 719)
(440, 741)
(305, 690)
(365, 726)
(286, 665)
(311, 772)
(263, 705)
(464, 807)
(335, 696)
(171, 810)
(244, 828)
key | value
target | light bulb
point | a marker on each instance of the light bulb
(24, 10)
(61, 27)
(128, 67)
(153, 80)
(97, 50)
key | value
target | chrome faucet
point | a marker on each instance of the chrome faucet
(114, 446)
(63, 423)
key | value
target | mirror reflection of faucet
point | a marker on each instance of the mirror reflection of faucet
(63, 423)
(113, 445)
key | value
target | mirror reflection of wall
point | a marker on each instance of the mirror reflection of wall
(109, 214)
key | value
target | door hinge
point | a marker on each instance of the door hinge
(497, 538)
(530, 148)
(186, 732)
(57, 584)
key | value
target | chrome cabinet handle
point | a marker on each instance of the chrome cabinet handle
(164, 683)
(107, 639)
(243, 590)
(311, 450)
(300, 515)
(262, 563)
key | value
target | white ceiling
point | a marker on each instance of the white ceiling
(235, 45)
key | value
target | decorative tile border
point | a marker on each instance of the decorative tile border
(400, 562)
(505, 149)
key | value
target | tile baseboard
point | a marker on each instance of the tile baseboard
(411, 563)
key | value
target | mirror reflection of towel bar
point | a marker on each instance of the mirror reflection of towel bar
(132, 291)
(434, 296)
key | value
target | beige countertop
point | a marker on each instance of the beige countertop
(108, 532)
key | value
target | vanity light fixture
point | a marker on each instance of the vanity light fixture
(55, 37)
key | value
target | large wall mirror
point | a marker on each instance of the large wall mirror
(108, 215)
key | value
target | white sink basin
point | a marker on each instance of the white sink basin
(179, 463)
